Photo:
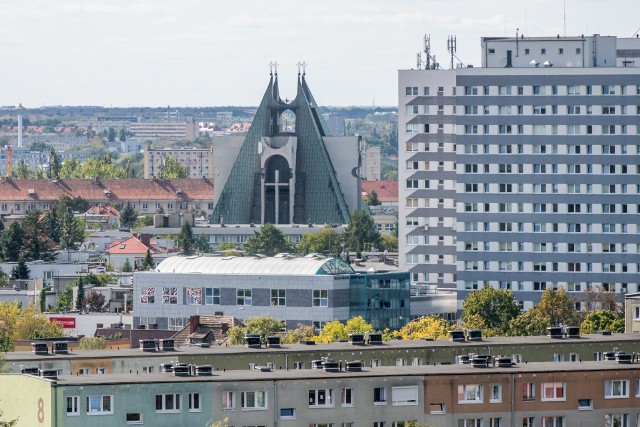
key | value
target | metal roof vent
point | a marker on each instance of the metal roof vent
(166, 367)
(474, 334)
(182, 370)
(481, 361)
(572, 331)
(167, 344)
(252, 341)
(554, 332)
(354, 366)
(375, 338)
(39, 348)
(273, 341)
(147, 345)
(622, 357)
(330, 365)
(503, 362)
(356, 339)
(60, 347)
(50, 374)
(29, 371)
(203, 370)
(456, 336)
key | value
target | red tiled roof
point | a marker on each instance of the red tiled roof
(387, 191)
(103, 210)
(132, 246)
(107, 190)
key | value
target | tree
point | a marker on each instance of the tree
(390, 243)
(26, 324)
(65, 299)
(326, 241)
(337, 331)
(201, 244)
(92, 343)
(123, 135)
(147, 262)
(559, 307)
(262, 325)
(300, 333)
(267, 241)
(42, 300)
(432, 326)
(11, 242)
(95, 300)
(21, 270)
(36, 244)
(128, 216)
(111, 135)
(173, 169)
(372, 199)
(4, 279)
(496, 307)
(361, 233)
(80, 294)
(126, 267)
(55, 164)
(71, 228)
(597, 298)
(186, 240)
(22, 171)
(531, 322)
(603, 320)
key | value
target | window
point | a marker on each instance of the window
(211, 296)
(147, 295)
(253, 400)
(194, 402)
(243, 296)
(133, 418)
(404, 396)
(470, 422)
(99, 405)
(73, 405)
(320, 298)
(616, 420)
(169, 295)
(528, 422)
(288, 413)
(194, 296)
(346, 396)
(321, 397)
(528, 392)
(169, 402)
(470, 393)
(437, 408)
(616, 389)
(228, 401)
(585, 404)
(495, 422)
(278, 297)
(411, 90)
(552, 422)
(380, 396)
(553, 391)
(496, 393)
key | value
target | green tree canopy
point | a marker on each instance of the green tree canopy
(147, 262)
(262, 325)
(603, 320)
(555, 308)
(338, 331)
(173, 169)
(267, 241)
(497, 307)
(126, 267)
(11, 242)
(361, 233)
(326, 241)
(372, 199)
(80, 295)
(36, 244)
(21, 270)
(128, 216)
(432, 326)
(71, 228)
(186, 241)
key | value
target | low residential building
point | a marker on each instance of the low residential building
(385, 215)
(102, 217)
(591, 394)
(19, 196)
(309, 290)
(134, 249)
(632, 312)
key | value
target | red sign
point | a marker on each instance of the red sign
(66, 322)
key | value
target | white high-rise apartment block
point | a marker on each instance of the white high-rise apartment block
(524, 173)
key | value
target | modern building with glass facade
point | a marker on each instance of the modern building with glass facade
(308, 290)
(522, 174)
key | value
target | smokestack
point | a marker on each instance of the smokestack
(20, 108)
(9, 160)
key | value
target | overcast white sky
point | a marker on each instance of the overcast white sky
(206, 52)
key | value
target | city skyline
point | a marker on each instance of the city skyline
(147, 53)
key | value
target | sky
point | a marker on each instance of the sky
(126, 53)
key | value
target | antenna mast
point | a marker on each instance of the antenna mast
(451, 47)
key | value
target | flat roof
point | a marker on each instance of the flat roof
(616, 340)
(310, 374)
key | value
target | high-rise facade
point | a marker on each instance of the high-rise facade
(524, 173)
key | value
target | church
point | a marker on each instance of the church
(289, 169)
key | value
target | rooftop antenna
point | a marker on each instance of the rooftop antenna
(429, 62)
(419, 61)
(451, 47)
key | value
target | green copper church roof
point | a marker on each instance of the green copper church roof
(318, 197)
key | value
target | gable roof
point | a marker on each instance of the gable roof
(102, 210)
(106, 190)
(130, 246)
(387, 191)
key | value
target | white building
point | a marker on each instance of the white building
(522, 174)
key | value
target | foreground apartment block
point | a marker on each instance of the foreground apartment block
(590, 394)
(522, 174)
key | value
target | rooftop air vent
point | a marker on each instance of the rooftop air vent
(572, 331)
(60, 347)
(30, 371)
(554, 332)
(50, 374)
(330, 365)
(622, 357)
(316, 364)
(464, 359)
(375, 338)
(474, 334)
(354, 366)
(263, 368)
(356, 339)
(273, 341)
(481, 361)
(167, 344)
(610, 355)
(182, 370)
(456, 336)
(252, 340)
(32, 192)
(147, 345)
(166, 367)
(39, 348)
(503, 362)
(203, 370)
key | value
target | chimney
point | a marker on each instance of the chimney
(9, 161)
(194, 321)
(145, 239)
